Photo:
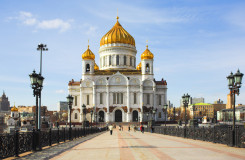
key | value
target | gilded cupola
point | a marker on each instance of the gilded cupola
(139, 66)
(147, 54)
(88, 54)
(14, 109)
(117, 35)
(96, 67)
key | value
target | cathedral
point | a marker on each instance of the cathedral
(118, 90)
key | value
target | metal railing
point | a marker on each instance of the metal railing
(216, 134)
(20, 142)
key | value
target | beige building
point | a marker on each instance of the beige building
(199, 110)
(230, 101)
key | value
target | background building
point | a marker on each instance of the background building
(62, 106)
(4, 103)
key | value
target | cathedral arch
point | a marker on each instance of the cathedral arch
(134, 81)
(118, 115)
(135, 116)
(147, 67)
(118, 79)
(101, 117)
(87, 83)
(87, 67)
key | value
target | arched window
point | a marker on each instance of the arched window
(130, 61)
(117, 59)
(109, 60)
(135, 62)
(124, 58)
(87, 67)
(159, 115)
(75, 115)
(147, 67)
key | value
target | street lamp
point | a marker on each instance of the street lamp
(84, 114)
(234, 83)
(41, 47)
(166, 106)
(70, 101)
(91, 112)
(185, 100)
(147, 115)
(37, 84)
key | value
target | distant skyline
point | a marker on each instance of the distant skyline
(196, 44)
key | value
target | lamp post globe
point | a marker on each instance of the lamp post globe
(33, 78)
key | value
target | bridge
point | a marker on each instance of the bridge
(135, 145)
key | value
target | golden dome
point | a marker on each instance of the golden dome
(147, 54)
(96, 66)
(14, 109)
(117, 35)
(88, 54)
(139, 66)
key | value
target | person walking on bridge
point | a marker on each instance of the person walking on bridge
(111, 129)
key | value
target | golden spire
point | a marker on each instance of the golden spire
(139, 66)
(117, 14)
(88, 54)
(147, 53)
(146, 44)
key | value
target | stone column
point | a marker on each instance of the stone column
(141, 102)
(154, 101)
(107, 103)
(128, 104)
(81, 103)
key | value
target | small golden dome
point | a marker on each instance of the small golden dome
(96, 67)
(147, 54)
(88, 54)
(117, 35)
(14, 109)
(139, 66)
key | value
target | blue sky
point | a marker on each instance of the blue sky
(196, 43)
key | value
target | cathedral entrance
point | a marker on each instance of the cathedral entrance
(118, 116)
(101, 116)
(135, 116)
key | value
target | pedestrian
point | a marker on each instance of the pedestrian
(143, 129)
(111, 129)
(122, 128)
(119, 127)
(129, 128)
(135, 128)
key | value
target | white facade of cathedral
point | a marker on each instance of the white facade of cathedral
(118, 91)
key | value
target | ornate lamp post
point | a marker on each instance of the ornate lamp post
(84, 115)
(166, 106)
(91, 113)
(41, 47)
(70, 101)
(185, 99)
(234, 83)
(147, 115)
(174, 113)
(37, 84)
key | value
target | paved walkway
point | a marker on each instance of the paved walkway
(135, 145)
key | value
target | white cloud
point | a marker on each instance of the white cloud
(54, 24)
(29, 19)
(61, 91)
